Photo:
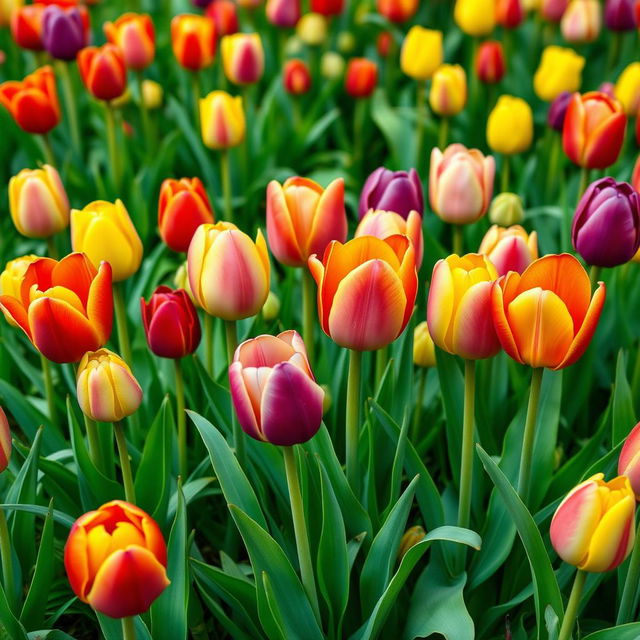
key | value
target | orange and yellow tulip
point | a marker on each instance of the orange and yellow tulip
(193, 38)
(13, 275)
(361, 77)
(26, 26)
(135, 35)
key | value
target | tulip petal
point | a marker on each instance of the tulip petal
(439, 315)
(74, 272)
(330, 220)
(100, 303)
(13, 310)
(242, 402)
(501, 324)
(76, 559)
(629, 460)
(165, 332)
(264, 351)
(280, 231)
(605, 142)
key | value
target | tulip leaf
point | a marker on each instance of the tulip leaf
(10, 627)
(218, 398)
(623, 632)
(398, 130)
(624, 415)
(112, 628)
(61, 518)
(190, 491)
(50, 634)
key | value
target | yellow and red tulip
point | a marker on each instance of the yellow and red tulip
(242, 58)
(26, 26)
(103, 71)
(193, 38)
(296, 77)
(224, 14)
(135, 35)
(511, 249)
(448, 94)
(581, 22)
(222, 120)
(13, 275)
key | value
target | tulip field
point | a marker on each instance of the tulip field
(320, 319)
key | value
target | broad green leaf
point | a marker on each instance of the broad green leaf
(112, 628)
(61, 518)
(50, 634)
(624, 415)
(623, 632)
(10, 627)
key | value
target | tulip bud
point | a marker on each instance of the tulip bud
(135, 35)
(26, 26)
(619, 15)
(511, 249)
(627, 89)
(5, 441)
(421, 53)
(510, 126)
(328, 7)
(331, 65)
(397, 191)
(383, 46)
(65, 31)
(181, 281)
(475, 17)
(581, 22)
(296, 77)
(223, 122)
(362, 77)
(506, 209)
(558, 111)
(193, 39)
(346, 42)
(104, 232)
(490, 63)
(553, 10)
(448, 93)
(594, 526)
(424, 351)
(509, 13)
(152, 94)
(225, 17)
(116, 559)
(103, 71)
(560, 70)
(242, 58)
(397, 10)
(283, 13)
(271, 308)
(38, 202)
(12, 277)
(411, 537)
(312, 29)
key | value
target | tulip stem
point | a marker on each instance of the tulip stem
(421, 116)
(457, 239)
(7, 561)
(226, 185)
(300, 529)
(208, 343)
(52, 250)
(594, 275)
(48, 388)
(417, 411)
(182, 422)
(504, 177)
(626, 610)
(128, 628)
(524, 477)
(359, 117)
(382, 358)
(125, 463)
(572, 606)
(443, 133)
(144, 113)
(70, 103)
(95, 450)
(232, 345)
(308, 312)
(353, 418)
(121, 322)
(195, 92)
(466, 459)
(112, 143)
(584, 183)
(50, 159)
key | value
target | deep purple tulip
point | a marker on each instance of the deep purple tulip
(203, 4)
(558, 110)
(619, 15)
(397, 191)
(606, 224)
(64, 31)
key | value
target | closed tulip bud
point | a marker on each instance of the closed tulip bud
(546, 317)
(296, 77)
(104, 232)
(594, 526)
(116, 559)
(560, 70)
(65, 31)
(383, 224)
(331, 65)
(13, 275)
(26, 26)
(398, 191)
(33, 103)
(506, 209)
(135, 35)
(271, 308)
(490, 62)
(222, 120)
(65, 308)
(103, 71)
(619, 15)
(510, 126)
(581, 22)
(5, 441)
(421, 52)
(460, 183)
(509, 13)
(328, 7)
(627, 89)
(366, 290)
(424, 351)
(448, 93)
(606, 224)
(152, 94)
(553, 10)
(475, 17)
(558, 111)
(171, 323)
(459, 306)
(397, 10)
(228, 272)
(181, 281)
(202, 4)
(225, 16)
(293, 46)
(362, 77)
(193, 39)
(283, 13)
(383, 44)
(346, 42)
(411, 537)
(242, 58)
(285, 408)
(182, 207)
(629, 460)
(593, 131)
(312, 29)
(510, 249)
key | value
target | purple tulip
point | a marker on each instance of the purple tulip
(397, 191)
(557, 111)
(64, 32)
(203, 4)
(606, 224)
(619, 15)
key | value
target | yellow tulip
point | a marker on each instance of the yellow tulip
(424, 351)
(560, 70)
(510, 126)
(475, 17)
(421, 52)
(152, 94)
(627, 89)
(312, 29)
(223, 122)
(448, 93)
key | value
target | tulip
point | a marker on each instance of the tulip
(511, 249)
(225, 17)
(38, 202)
(33, 103)
(410, 538)
(628, 460)
(546, 317)
(65, 308)
(593, 528)
(448, 93)
(421, 53)
(223, 122)
(490, 62)
(296, 77)
(627, 89)
(65, 31)
(383, 224)
(181, 281)
(116, 558)
(5, 441)
(384, 42)
(103, 71)
(26, 26)
(228, 272)
(152, 94)
(558, 111)
(424, 352)
(475, 17)
(193, 39)
(509, 13)
(397, 10)
(183, 206)
(312, 30)
(553, 10)
(619, 15)
(271, 307)
(460, 183)
(510, 126)
(593, 132)
(6, 9)
(506, 209)
(283, 13)
(328, 7)
(13, 275)
(249, 4)
(397, 191)
(581, 22)
(303, 218)
(361, 78)
(135, 35)
(242, 58)
(104, 232)
(331, 65)
(635, 176)
(560, 70)
(346, 41)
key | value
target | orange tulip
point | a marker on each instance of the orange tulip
(135, 35)
(397, 10)
(193, 39)
(361, 78)
(26, 26)
(103, 71)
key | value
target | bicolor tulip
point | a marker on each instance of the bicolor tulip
(283, 13)
(560, 70)
(424, 350)
(510, 249)
(107, 390)
(606, 224)
(398, 191)
(228, 272)
(103, 71)
(224, 14)
(312, 30)
(296, 77)
(558, 111)
(593, 131)
(242, 58)
(475, 17)
(510, 126)
(490, 63)
(38, 202)
(13, 275)
(65, 308)
(582, 21)
(5, 441)
(619, 15)
(328, 7)
(448, 94)
(134, 33)
(509, 13)
(506, 209)
(116, 559)
(546, 317)
(222, 120)
(553, 10)
(383, 224)
(303, 218)
(628, 462)
(183, 206)
(361, 77)
(366, 290)
(104, 232)
(65, 31)
(33, 103)
(171, 323)
(274, 393)
(627, 89)
(397, 10)
(460, 183)
(459, 306)
(422, 52)
(193, 39)
(594, 526)
(26, 26)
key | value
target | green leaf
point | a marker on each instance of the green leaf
(10, 627)
(50, 634)
(61, 518)
(624, 417)
(112, 628)
(623, 632)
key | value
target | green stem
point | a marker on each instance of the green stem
(614, 50)
(128, 629)
(594, 275)
(182, 421)
(466, 460)
(421, 115)
(125, 463)
(300, 529)
(625, 612)
(48, 388)
(359, 115)
(417, 412)
(584, 182)
(112, 143)
(208, 343)
(443, 133)
(70, 104)
(52, 250)
(457, 239)
(352, 423)
(554, 158)
(635, 381)
(232, 344)
(50, 159)
(95, 450)
(7, 561)
(195, 93)
(572, 607)
(226, 185)
(144, 114)
(308, 312)
(524, 477)
(121, 322)
(504, 177)
(382, 358)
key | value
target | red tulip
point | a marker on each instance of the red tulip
(362, 77)
(103, 71)
(26, 26)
